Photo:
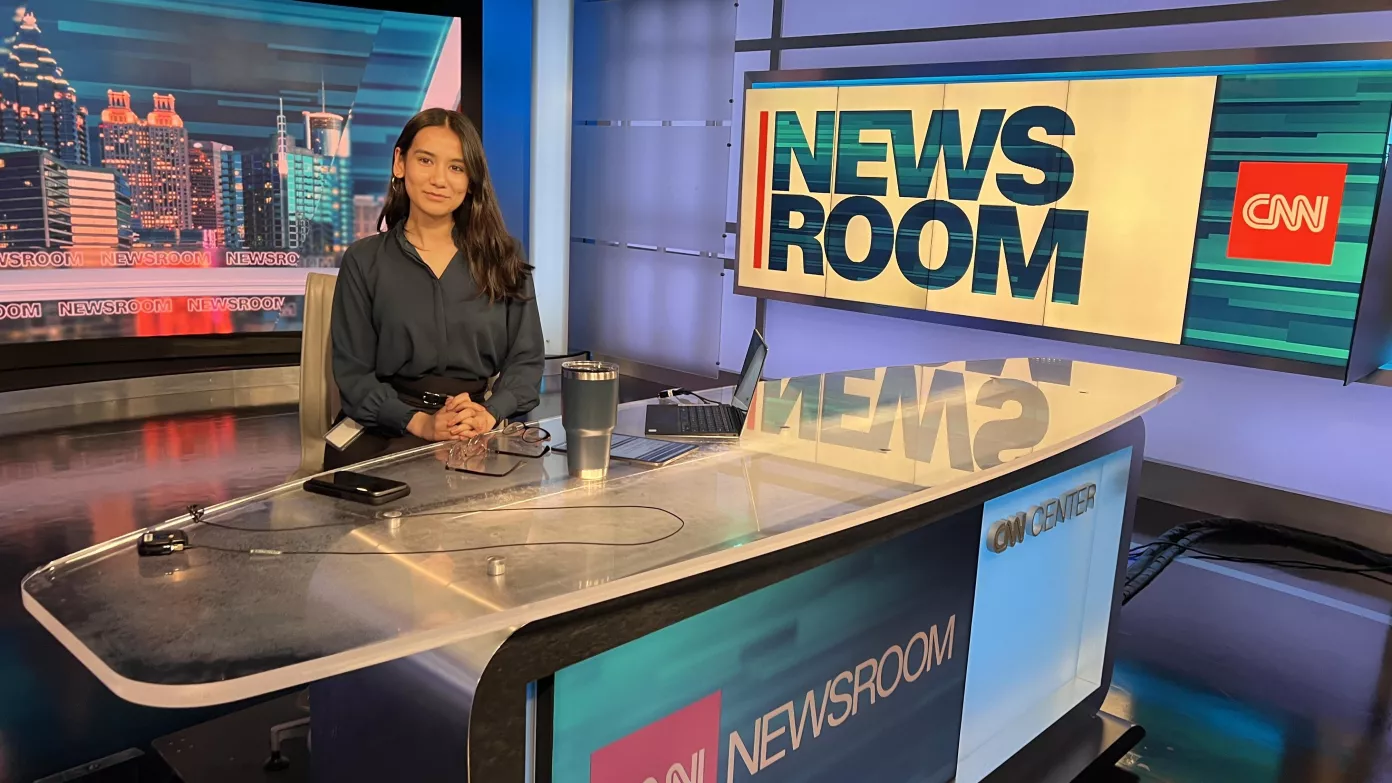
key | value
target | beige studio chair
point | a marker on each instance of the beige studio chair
(319, 401)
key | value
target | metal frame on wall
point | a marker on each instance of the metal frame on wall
(1215, 12)
(1374, 315)
(34, 365)
(1371, 346)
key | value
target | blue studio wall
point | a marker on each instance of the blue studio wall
(507, 106)
(524, 72)
(1304, 434)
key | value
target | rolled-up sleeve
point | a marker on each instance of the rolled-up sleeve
(366, 399)
(518, 388)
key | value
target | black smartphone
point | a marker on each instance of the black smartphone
(358, 487)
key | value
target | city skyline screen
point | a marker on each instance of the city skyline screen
(177, 168)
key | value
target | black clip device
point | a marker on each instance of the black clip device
(165, 542)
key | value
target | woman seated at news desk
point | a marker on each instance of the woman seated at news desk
(437, 305)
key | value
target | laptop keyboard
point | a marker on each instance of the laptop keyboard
(707, 420)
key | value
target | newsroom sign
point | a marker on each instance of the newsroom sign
(1033, 202)
(854, 670)
(800, 220)
(102, 258)
(138, 306)
(685, 746)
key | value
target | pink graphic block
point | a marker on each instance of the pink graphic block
(683, 747)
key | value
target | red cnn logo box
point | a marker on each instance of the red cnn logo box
(683, 747)
(1287, 211)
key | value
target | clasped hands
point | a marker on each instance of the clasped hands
(460, 419)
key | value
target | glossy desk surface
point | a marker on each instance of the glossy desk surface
(820, 454)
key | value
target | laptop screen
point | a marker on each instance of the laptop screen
(752, 372)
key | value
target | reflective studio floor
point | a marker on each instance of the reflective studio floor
(1239, 676)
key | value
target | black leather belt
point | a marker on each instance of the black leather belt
(431, 392)
(431, 401)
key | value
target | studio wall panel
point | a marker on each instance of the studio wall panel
(654, 82)
(600, 204)
(1287, 31)
(653, 60)
(821, 17)
(660, 309)
(754, 19)
(651, 185)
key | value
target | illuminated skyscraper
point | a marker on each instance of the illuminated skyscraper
(169, 205)
(45, 203)
(326, 135)
(100, 205)
(233, 204)
(366, 210)
(285, 202)
(153, 155)
(38, 107)
(307, 204)
(210, 186)
(295, 197)
(123, 141)
(205, 197)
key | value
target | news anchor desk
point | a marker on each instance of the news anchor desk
(907, 573)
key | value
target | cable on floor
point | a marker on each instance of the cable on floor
(1148, 561)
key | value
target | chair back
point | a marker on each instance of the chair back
(319, 400)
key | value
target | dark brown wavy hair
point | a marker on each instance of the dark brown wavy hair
(494, 256)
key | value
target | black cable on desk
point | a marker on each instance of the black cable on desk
(686, 393)
(197, 514)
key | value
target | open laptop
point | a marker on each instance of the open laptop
(713, 421)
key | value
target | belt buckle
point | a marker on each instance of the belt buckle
(434, 399)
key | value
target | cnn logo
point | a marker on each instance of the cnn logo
(1286, 211)
(1266, 212)
(679, 748)
(679, 774)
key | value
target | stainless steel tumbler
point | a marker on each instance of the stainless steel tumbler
(589, 411)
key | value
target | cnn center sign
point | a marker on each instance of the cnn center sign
(1072, 204)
